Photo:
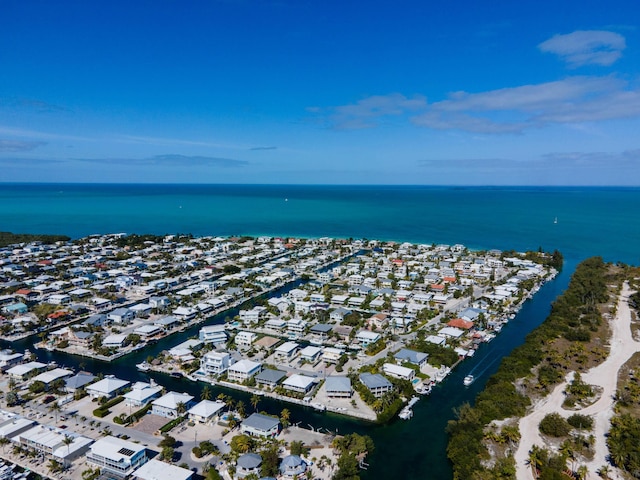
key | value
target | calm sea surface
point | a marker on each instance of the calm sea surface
(590, 221)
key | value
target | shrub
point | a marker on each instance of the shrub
(554, 425)
(584, 422)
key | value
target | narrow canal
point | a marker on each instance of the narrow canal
(414, 449)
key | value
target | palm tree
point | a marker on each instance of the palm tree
(255, 399)
(285, 416)
(604, 471)
(55, 408)
(67, 440)
(582, 472)
(240, 408)
(181, 408)
(206, 393)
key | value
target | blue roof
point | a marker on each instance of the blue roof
(374, 380)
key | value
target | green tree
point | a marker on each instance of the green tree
(206, 393)
(285, 416)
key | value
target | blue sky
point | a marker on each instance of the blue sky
(239, 91)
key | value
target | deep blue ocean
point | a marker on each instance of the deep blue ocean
(590, 221)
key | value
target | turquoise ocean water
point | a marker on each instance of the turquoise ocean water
(590, 221)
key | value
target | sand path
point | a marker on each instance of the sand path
(605, 375)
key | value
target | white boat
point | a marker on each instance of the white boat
(319, 406)
(406, 413)
(468, 380)
(144, 366)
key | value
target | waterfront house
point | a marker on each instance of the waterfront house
(141, 393)
(270, 378)
(50, 376)
(215, 334)
(376, 383)
(411, 356)
(215, 363)
(243, 370)
(115, 456)
(8, 359)
(397, 371)
(114, 341)
(167, 323)
(299, 383)
(26, 370)
(108, 387)
(169, 404)
(260, 425)
(338, 387)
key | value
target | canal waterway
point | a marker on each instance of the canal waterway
(412, 447)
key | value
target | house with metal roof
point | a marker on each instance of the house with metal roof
(243, 370)
(411, 356)
(270, 378)
(79, 380)
(50, 440)
(292, 466)
(260, 425)
(168, 404)
(248, 464)
(376, 383)
(107, 387)
(205, 411)
(142, 393)
(338, 386)
(299, 383)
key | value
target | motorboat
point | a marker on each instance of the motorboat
(468, 380)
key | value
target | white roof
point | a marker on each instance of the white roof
(146, 329)
(436, 339)
(287, 347)
(157, 470)
(206, 408)
(368, 335)
(113, 448)
(397, 369)
(25, 368)
(451, 332)
(142, 391)
(52, 375)
(310, 351)
(298, 381)
(244, 366)
(172, 399)
(108, 385)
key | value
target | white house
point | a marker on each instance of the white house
(243, 370)
(213, 334)
(215, 363)
(142, 393)
(398, 371)
(205, 411)
(366, 337)
(168, 404)
(116, 456)
(299, 383)
(107, 387)
(286, 351)
(245, 339)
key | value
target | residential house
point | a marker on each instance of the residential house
(398, 371)
(270, 378)
(299, 383)
(338, 387)
(215, 363)
(108, 387)
(376, 383)
(243, 370)
(260, 425)
(157, 470)
(142, 393)
(169, 404)
(113, 455)
(205, 411)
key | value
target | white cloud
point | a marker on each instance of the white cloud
(586, 47)
(18, 146)
(369, 111)
(512, 110)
